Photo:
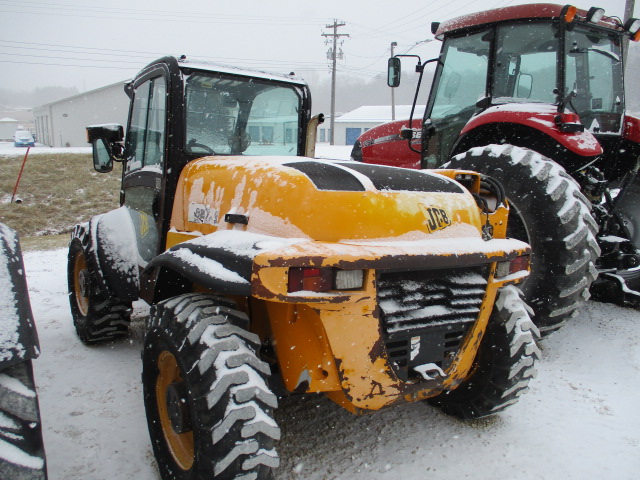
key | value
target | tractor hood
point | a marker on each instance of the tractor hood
(326, 201)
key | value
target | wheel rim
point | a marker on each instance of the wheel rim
(81, 283)
(181, 445)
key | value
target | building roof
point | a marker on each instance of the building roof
(9, 120)
(379, 114)
(79, 95)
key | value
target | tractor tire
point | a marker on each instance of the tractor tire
(97, 318)
(549, 213)
(504, 364)
(21, 449)
(209, 407)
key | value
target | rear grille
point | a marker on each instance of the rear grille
(425, 315)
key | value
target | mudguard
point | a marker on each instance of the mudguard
(221, 261)
(18, 336)
(538, 117)
(111, 249)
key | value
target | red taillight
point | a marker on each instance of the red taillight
(310, 279)
(519, 264)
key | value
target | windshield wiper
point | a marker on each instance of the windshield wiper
(613, 56)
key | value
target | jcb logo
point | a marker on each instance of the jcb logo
(436, 218)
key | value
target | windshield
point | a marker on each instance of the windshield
(594, 79)
(230, 115)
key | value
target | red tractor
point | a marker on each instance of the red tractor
(533, 96)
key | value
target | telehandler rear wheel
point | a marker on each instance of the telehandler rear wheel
(549, 212)
(504, 365)
(96, 317)
(209, 407)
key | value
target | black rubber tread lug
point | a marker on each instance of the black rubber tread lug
(20, 430)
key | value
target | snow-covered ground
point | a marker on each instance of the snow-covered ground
(579, 421)
(9, 148)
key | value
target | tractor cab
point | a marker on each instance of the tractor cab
(524, 60)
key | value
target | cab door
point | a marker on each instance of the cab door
(143, 176)
(459, 84)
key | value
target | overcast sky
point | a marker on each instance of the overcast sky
(91, 43)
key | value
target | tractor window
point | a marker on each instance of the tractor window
(526, 63)
(145, 140)
(459, 85)
(594, 78)
(234, 115)
(463, 79)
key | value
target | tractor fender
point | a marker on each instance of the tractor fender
(18, 336)
(541, 118)
(221, 261)
(631, 130)
(109, 242)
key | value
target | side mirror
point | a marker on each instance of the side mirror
(106, 142)
(394, 68)
(525, 85)
(102, 160)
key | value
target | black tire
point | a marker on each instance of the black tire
(209, 407)
(504, 365)
(548, 212)
(21, 449)
(96, 316)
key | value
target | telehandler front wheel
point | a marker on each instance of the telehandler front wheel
(96, 317)
(504, 365)
(549, 212)
(209, 407)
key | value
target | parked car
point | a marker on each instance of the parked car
(23, 138)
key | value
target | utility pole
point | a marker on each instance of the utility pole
(393, 98)
(334, 55)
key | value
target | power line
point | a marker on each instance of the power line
(62, 9)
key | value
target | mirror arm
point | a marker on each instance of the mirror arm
(117, 152)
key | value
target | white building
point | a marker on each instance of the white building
(63, 123)
(351, 125)
(8, 127)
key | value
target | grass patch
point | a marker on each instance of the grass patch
(57, 190)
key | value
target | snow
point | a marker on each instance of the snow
(380, 113)
(10, 345)
(208, 266)
(7, 148)
(580, 419)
